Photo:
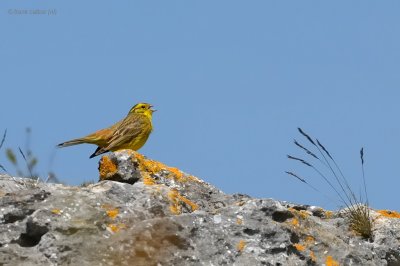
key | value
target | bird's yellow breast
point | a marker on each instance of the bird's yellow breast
(138, 142)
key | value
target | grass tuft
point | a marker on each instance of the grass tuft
(3, 139)
(357, 211)
(1, 145)
(26, 162)
(360, 220)
(30, 161)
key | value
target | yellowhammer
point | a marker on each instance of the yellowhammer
(131, 132)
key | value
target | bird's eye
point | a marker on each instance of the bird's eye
(143, 106)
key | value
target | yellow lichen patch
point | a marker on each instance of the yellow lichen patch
(193, 178)
(178, 174)
(148, 165)
(312, 256)
(153, 167)
(239, 221)
(389, 214)
(241, 245)
(192, 205)
(114, 228)
(299, 247)
(175, 208)
(295, 222)
(147, 180)
(112, 213)
(56, 211)
(176, 201)
(106, 168)
(309, 240)
(304, 214)
(331, 262)
(328, 214)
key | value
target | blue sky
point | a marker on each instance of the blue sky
(232, 81)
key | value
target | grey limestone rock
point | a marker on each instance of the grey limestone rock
(143, 212)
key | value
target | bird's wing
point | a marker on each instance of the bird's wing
(130, 128)
(102, 136)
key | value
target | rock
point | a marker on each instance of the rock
(143, 212)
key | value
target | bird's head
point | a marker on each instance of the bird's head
(142, 108)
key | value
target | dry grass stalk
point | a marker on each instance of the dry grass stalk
(357, 211)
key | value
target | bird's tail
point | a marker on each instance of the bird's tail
(72, 142)
(98, 151)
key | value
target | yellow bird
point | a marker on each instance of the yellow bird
(131, 132)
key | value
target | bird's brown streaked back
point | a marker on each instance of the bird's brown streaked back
(131, 132)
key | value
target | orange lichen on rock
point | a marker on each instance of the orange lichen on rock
(295, 222)
(193, 178)
(152, 167)
(147, 180)
(305, 245)
(177, 199)
(328, 214)
(331, 262)
(389, 214)
(178, 174)
(302, 213)
(192, 205)
(239, 221)
(175, 207)
(241, 245)
(312, 256)
(113, 213)
(299, 247)
(148, 165)
(106, 168)
(56, 211)
(309, 240)
(114, 228)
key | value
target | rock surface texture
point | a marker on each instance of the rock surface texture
(143, 212)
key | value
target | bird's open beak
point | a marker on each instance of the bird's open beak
(153, 110)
